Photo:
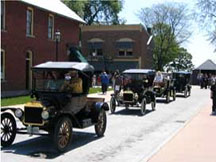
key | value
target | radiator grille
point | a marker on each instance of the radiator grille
(33, 115)
(128, 97)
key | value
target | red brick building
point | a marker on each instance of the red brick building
(28, 38)
(117, 47)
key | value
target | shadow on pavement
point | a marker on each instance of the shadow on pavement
(42, 148)
(131, 111)
(163, 101)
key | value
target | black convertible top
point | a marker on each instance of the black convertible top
(81, 66)
(182, 72)
(139, 71)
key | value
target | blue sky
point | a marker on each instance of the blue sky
(197, 45)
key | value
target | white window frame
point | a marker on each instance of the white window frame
(51, 17)
(30, 9)
(3, 65)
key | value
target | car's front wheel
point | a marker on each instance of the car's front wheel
(168, 97)
(63, 134)
(100, 127)
(112, 105)
(174, 95)
(185, 92)
(8, 129)
(153, 104)
(143, 106)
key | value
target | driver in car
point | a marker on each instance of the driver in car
(72, 82)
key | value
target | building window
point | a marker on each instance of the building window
(2, 64)
(95, 48)
(96, 52)
(125, 47)
(29, 21)
(51, 27)
(2, 15)
(125, 52)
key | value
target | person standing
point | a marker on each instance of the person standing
(104, 82)
(213, 97)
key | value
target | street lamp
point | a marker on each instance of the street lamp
(57, 38)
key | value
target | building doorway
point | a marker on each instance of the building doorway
(28, 70)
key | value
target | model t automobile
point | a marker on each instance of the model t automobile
(61, 104)
(182, 82)
(165, 87)
(136, 90)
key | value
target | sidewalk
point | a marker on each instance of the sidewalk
(196, 142)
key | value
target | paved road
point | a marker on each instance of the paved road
(129, 137)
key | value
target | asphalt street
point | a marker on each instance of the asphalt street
(129, 137)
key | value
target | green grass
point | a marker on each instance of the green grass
(24, 99)
(15, 100)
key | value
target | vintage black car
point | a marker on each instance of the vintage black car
(58, 108)
(182, 82)
(136, 90)
(166, 87)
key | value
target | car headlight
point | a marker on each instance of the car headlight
(45, 115)
(18, 113)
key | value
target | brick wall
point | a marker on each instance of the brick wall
(16, 43)
(110, 34)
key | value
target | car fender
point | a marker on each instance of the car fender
(101, 105)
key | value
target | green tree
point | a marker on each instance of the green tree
(207, 17)
(97, 11)
(183, 62)
(170, 26)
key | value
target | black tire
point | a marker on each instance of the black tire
(8, 129)
(63, 134)
(153, 104)
(189, 92)
(143, 107)
(100, 127)
(174, 95)
(112, 105)
(168, 97)
(185, 93)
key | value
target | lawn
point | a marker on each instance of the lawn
(24, 99)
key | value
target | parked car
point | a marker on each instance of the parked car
(165, 88)
(182, 81)
(136, 90)
(61, 104)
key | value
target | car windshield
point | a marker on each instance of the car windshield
(52, 81)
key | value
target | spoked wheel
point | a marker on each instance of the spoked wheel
(8, 129)
(100, 127)
(143, 106)
(112, 105)
(153, 104)
(168, 97)
(174, 95)
(63, 134)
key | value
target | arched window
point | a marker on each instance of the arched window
(95, 47)
(28, 69)
(125, 47)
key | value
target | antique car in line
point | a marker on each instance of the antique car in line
(182, 82)
(165, 88)
(61, 104)
(136, 90)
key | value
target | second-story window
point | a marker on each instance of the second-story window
(125, 47)
(95, 47)
(51, 27)
(29, 21)
(2, 15)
